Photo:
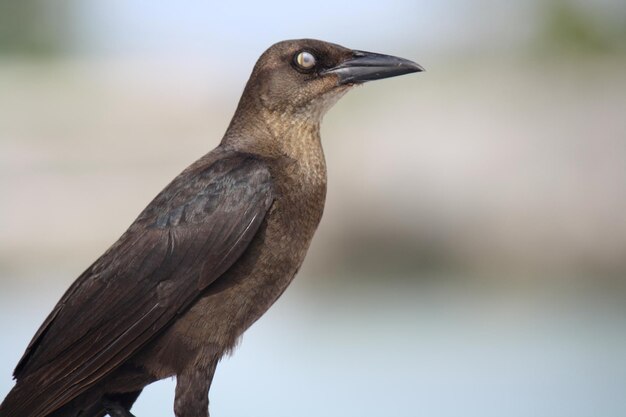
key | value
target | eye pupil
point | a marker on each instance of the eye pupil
(305, 60)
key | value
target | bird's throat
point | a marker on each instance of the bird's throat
(298, 138)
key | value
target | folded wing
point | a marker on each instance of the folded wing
(188, 236)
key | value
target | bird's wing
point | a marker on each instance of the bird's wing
(189, 235)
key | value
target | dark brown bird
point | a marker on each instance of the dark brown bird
(207, 257)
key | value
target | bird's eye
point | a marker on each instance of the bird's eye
(305, 60)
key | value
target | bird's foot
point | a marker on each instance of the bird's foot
(115, 409)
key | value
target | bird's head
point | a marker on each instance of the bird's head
(306, 76)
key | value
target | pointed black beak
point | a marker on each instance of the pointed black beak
(368, 66)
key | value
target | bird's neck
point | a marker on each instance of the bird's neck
(291, 134)
(294, 134)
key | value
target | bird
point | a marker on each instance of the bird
(207, 256)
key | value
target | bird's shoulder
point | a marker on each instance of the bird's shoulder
(222, 179)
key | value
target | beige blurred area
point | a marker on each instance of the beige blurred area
(511, 169)
(472, 254)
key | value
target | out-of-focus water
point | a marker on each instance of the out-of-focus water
(401, 350)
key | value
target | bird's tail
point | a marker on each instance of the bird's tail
(16, 403)
(21, 401)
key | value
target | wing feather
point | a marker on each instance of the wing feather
(188, 236)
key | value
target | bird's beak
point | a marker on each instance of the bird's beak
(368, 66)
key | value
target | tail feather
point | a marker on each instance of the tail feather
(16, 403)
(21, 402)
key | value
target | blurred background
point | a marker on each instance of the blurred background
(472, 256)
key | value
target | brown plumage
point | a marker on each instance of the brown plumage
(207, 257)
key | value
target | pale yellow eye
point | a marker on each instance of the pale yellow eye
(305, 60)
